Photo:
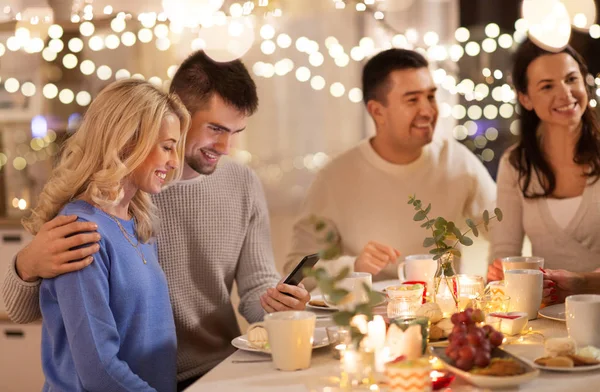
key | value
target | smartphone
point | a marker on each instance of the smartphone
(296, 276)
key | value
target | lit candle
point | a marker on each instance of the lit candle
(349, 361)
(470, 287)
(376, 341)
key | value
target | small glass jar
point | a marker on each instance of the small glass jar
(404, 300)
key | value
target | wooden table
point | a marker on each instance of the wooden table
(263, 377)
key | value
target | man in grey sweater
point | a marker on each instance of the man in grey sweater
(214, 229)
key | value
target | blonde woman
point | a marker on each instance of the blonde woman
(109, 327)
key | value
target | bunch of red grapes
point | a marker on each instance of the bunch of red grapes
(471, 345)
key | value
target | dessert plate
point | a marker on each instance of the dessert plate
(566, 369)
(554, 312)
(317, 303)
(320, 339)
(491, 381)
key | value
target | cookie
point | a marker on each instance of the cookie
(560, 361)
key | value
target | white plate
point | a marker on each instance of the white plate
(564, 369)
(492, 381)
(554, 312)
(334, 308)
(319, 298)
(567, 370)
(320, 339)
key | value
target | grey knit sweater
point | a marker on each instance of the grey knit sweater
(214, 231)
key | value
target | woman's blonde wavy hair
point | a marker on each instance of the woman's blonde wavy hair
(118, 132)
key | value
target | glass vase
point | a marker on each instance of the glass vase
(446, 291)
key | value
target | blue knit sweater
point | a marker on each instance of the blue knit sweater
(109, 326)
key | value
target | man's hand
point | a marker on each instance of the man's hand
(374, 257)
(49, 255)
(275, 301)
(495, 271)
(559, 284)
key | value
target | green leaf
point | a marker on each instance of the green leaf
(439, 238)
(437, 257)
(333, 252)
(450, 226)
(330, 236)
(419, 216)
(307, 271)
(337, 295)
(375, 298)
(343, 318)
(455, 252)
(363, 309)
(457, 233)
(429, 241)
(475, 231)
(470, 223)
(428, 209)
(319, 226)
(411, 199)
(440, 222)
(498, 213)
(430, 224)
(418, 203)
(425, 225)
(342, 274)
(486, 217)
(466, 241)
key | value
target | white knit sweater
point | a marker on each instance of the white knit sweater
(214, 231)
(365, 198)
(575, 247)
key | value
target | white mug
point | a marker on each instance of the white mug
(354, 283)
(521, 262)
(290, 337)
(524, 287)
(418, 268)
(583, 319)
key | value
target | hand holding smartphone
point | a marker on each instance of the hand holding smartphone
(296, 276)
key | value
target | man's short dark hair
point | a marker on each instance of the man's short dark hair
(199, 77)
(375, 76)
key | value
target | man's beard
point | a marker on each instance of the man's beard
(199, 167)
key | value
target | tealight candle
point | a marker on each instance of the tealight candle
(470, 287)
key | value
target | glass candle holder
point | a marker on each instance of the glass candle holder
(339, 337)
(404, 300)
(495, 288)
(357, 366)
(470, 287)
(492, 303)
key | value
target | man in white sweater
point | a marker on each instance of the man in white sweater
(362, 194)
(214, 229)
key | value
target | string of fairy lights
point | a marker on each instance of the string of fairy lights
(107, 29)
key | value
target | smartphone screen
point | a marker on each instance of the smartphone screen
(296, 276)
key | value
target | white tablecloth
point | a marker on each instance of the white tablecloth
(263, 377)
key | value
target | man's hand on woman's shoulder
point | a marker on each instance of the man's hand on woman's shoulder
(59, 247)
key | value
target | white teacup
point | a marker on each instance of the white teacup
(290, 337)
(354, 283)
(418, 268)
(524, 287)
(583, 319)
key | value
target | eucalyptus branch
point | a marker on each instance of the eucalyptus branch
(328, 284)
(475, 227)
